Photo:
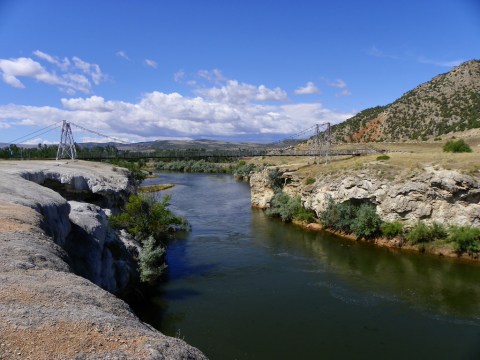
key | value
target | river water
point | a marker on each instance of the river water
(244, 286)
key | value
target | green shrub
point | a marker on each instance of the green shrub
(346, 213)
(338, 216)
(243, 169)
(392, 229)
(457, 146)
(274, 179)
(144, 217)
(367, 223)
(465, 239)
(383, 157)
(328, 216)
(309, 181)
(438, 231)
(288, 208)
(151, 260)
(149, 222)
(420, 233)
(305, 215)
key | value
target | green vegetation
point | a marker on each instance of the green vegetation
(240, 168)
(243, 169)
(155, 188)
(383, 157)
(465, 239)
(392, 229)
(310, 181)
(421, 233)
(275, 180)
(367, 222)
(191, 166)
(151, 260)
(149, 222)
(288, 208)
(458, 146)
(135, 168)
(361, 220)
(448, 103)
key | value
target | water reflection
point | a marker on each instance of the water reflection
(437, 284)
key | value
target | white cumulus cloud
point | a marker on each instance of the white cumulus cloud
(233, 110)
(234, 92)
(309, 88)
(75, 74)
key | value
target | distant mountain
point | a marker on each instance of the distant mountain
(187, 144)
(450, 102)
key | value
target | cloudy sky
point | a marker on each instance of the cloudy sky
(253, 70)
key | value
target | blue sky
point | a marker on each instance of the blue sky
(233, 70)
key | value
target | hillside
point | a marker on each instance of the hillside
(449, 102)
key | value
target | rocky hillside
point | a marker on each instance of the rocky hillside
(449, 102)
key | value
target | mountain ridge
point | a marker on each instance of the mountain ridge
(450, 102)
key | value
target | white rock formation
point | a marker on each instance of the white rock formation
(444, 196)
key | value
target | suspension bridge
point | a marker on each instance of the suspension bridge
(315, 141)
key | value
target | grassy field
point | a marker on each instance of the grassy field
(405, 158)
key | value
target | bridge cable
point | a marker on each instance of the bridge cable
(55, 125)
(103, 135)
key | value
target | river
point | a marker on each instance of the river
(244, 286)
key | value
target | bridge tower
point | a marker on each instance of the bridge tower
(322, 142)
(66, 147)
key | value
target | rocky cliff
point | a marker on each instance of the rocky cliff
(431, 195)
(53, 227)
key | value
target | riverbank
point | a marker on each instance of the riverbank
(52, 228)
(438, 248)
(406, 197)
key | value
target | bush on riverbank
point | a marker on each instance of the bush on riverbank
(191, 166)
(288, 208)
(149, 222)
(422, 233)
(465, 239)
(361, 220)
(392, 229)
(240, 168)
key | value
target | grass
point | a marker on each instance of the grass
(405, 158)
(155, 188)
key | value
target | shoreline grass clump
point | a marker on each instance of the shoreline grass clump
(155, 188)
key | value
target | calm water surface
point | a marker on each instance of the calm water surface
(243, 286)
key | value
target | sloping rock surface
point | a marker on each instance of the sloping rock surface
(46, 311)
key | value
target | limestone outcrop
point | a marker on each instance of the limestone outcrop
(48, 235)
(430, 195)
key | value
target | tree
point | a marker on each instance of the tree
(149, 222)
